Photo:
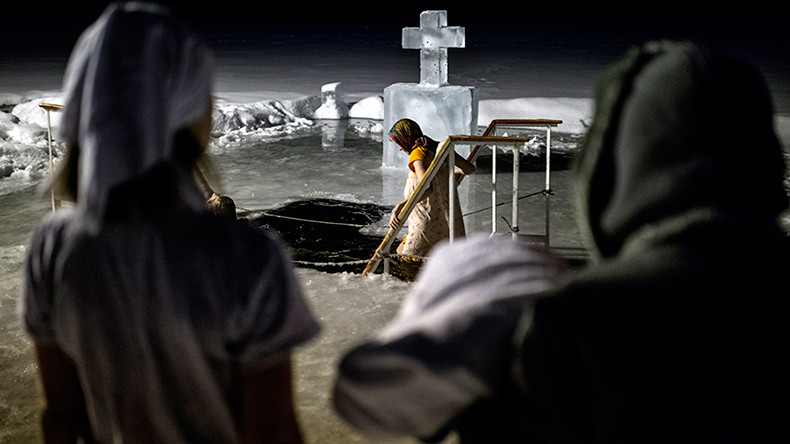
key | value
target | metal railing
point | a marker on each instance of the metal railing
(517, 124)
(443, 154)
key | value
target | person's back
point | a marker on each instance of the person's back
(678, 332)
(161, 313)
(152, 319)
(663, 349)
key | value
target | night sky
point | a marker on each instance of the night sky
(753, 19)
(50, 28)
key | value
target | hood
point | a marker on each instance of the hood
(136, 77)
(680, 138)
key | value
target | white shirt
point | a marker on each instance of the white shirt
(159, 318)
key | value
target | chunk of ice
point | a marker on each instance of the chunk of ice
(440, 111)
(333, 105)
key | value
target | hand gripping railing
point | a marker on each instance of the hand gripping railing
(443, 154)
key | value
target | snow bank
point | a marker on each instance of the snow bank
(237, 123)
(10, 99)
(30, 112)
(23, 123)
(368, 108)
(24, 150)
(576, 114)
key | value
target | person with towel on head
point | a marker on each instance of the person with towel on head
(152, 319)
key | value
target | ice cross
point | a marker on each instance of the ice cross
(432, 38)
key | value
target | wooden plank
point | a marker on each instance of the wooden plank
(50, 106)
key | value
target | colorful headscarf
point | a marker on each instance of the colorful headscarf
(406, 133)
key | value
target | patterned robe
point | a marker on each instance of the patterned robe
(429, 222)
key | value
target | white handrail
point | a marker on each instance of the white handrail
(485, 140)
(517, 123)
(51, 107)
(442, 154)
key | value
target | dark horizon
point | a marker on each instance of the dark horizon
(50, 29)
(668, 16)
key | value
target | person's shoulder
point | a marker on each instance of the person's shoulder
(58, 219)
(418, 153)
(47, 241)
(239, 235)
(53, 225)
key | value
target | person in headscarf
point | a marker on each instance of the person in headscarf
(675, 331)
(152, 319)
(429, 222)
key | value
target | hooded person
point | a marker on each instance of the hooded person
(153, 320)
(677, 330)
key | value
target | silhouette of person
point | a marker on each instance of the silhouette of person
(675, 331)
(152, 319)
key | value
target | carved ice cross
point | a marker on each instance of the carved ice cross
(432, 38)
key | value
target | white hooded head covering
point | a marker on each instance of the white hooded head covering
(135, 78)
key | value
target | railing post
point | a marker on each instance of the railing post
(548, 158)
(51, 107)
(547, 190)
(514, 193)
(548, 218)
(451, 188)
(51, 164)
(493, 190)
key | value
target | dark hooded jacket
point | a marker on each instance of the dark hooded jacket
(679, 328)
